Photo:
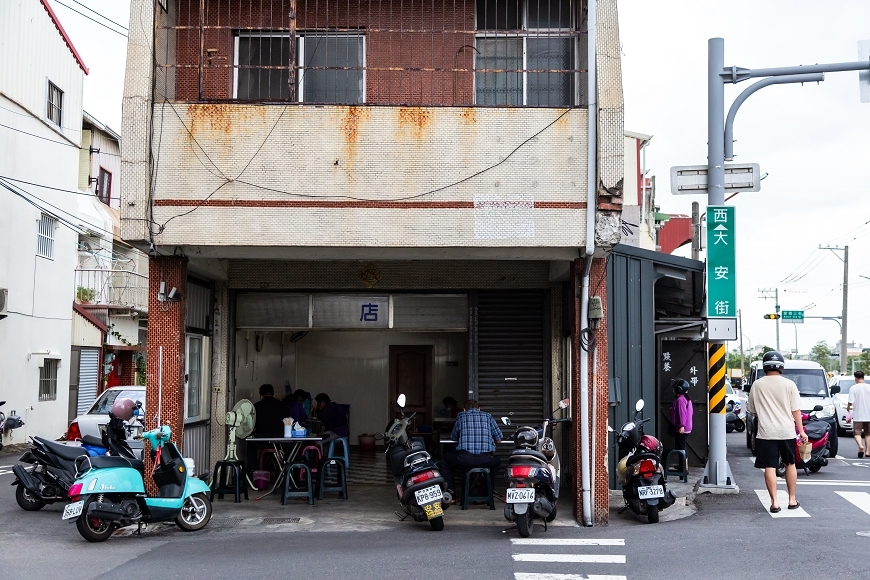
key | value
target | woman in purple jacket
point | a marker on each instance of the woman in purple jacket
(681, 413)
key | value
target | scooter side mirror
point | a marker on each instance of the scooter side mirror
(835, 389)
(506, 420)
(609, 429)
(639, 406)
(818, 408)
(401, 401)
(563, 404)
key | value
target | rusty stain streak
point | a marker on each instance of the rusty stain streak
(331, 204)
(417, 117)
(351, 122)
(221, 118)
(469, 115)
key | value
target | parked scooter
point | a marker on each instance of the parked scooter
(52, 465)
(733, 422)
(533, 475)
(8, 424)
(109, 492)
(818, 433)
(639, 470)
(420, 487)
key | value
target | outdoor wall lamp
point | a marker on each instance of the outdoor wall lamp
(173, 295)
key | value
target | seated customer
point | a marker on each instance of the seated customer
(270, 414)
(295, 408)
(333, 416)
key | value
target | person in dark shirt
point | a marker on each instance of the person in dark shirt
(270, 414)
(332, 415)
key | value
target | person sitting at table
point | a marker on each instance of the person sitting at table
(270, 414)
(295, 407)
(476, 434)
(333, 416)
(452, 407)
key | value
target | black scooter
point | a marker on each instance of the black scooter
(52, 465)
(639, 470)
(420, 487)
(733, 422)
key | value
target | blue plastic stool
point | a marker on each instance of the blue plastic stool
(298, 491)
(326, 465)
(345, 445)
(466, 493)
(683, 470)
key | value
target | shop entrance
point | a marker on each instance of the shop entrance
(411, 374)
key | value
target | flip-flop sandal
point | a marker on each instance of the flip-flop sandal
(795, 506)
(775, 510)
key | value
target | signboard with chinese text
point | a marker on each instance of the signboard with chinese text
(687, 360)
(721, 262)
(350, 311)
(793, 316)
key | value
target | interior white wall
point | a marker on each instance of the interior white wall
(351, 367)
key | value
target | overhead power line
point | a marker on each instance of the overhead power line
(91, 19)
(98, 14)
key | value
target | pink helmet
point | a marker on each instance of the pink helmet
(123, 409)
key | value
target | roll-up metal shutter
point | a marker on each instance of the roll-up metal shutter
(89, 374)
(511, 356)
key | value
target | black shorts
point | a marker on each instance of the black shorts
(768, 452)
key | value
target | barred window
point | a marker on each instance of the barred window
(54, 106)
(45, 236)
(104, 186)
(48, 380)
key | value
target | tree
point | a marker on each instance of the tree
(733, 361)
(821, 353)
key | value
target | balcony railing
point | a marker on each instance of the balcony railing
(505, 53)
(112, 288)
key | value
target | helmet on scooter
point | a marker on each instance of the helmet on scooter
(772, 361)
(681, 386)
(526, 438)
(123, 409)
(651, 444)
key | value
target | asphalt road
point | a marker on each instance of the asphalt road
(730, 536)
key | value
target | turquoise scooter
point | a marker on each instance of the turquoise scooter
(109, 492)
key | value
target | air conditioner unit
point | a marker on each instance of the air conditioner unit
(4, 303)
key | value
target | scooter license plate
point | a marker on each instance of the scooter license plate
(520, 495)
(428, 495)
(73, 510)
(650, 491)
(433, 510)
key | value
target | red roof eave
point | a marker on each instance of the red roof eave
(63, 33)
(90, 318)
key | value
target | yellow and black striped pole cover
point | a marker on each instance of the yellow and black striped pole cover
(716, 384)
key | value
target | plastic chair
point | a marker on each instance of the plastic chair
(682, 470)
(273, 457)
(477, 472)
(220, 485)
(345, 445)
(341, 486)
(298, 491)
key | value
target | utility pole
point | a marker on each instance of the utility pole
(740, 330)
(696, 230)
(765, 294)
(844, 350)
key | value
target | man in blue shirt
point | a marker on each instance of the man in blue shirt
(476, 434)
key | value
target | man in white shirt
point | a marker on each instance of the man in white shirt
(775, 401)
(859, 408)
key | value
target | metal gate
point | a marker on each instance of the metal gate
(511, 354)
(89, 375)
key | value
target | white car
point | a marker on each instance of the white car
(738, 397)
(95, 420)
(841, 401)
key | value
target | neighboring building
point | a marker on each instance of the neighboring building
(852, 349)
(639, 225)
(111, 277)
(41, 78)
(417, 176)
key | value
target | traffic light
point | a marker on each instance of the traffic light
(771, 316)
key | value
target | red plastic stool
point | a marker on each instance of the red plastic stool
(275, 459)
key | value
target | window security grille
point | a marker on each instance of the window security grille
(45, 236)
(48, 380)
(104, 186)
(54, 106)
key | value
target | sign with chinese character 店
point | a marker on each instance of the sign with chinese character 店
(721, 260)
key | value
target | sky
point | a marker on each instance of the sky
(811, 140)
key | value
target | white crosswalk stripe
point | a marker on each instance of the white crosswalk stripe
(860, 499)
(528, 554)
(782, 500)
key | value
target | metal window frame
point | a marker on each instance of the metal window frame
(45, 227)
(51, 106)
(49, 381)
(99, 188)
(187, 399)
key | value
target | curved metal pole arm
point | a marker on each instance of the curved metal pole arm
(732, 112)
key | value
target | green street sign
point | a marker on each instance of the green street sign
(721, 262)
(793, 316)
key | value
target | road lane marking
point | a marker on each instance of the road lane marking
(860, 499)
(782, 500)
(573, 558)
(832, 482)
(528, 576)
(566, 542)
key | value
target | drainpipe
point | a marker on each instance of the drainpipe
(591, 202)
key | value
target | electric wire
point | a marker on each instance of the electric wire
(98, 14)
(54, 216)
(86, 226)
(85, 193)
(73, 145)
(30, 115)
(91, 19)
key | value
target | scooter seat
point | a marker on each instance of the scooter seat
(108, 461)
(69, 452)
(527, 453)
(91, 440)
(815, 430)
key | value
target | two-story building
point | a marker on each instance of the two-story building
(368, 198)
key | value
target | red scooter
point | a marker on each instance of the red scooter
(818, 433)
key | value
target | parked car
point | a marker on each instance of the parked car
(812, 383)
(95, 420)
(841, 401)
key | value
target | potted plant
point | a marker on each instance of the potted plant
(85, 295)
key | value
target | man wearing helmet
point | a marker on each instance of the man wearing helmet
(476, 434)
(775, 401)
